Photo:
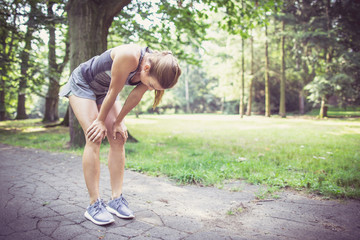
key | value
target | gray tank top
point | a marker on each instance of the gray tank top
(98, 69)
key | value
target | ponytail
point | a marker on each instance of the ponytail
(158, 96)
(165, 68)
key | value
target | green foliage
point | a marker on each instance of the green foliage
(323, 39)
(161, 25)
(339, 84)
(243, 15)
(202, 91)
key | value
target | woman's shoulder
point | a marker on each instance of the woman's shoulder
(126, 50)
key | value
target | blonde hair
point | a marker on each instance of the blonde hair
(165, 68)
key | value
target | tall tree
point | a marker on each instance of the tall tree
(249, 106)
(187, 97)
(328, 59)
(282, 110)
(9, 39)
(242, 91)
(24, 58)
(267, 88)
(54, 69)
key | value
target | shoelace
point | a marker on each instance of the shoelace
(123, 200)
(99, 206)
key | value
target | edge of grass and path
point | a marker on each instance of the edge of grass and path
(305, 154)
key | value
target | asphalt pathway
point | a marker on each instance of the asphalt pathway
(43, 196)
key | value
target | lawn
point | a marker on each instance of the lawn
(320, 156)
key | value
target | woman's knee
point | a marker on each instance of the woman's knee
(116, 143)
(93, 145)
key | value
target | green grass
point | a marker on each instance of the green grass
(31, 133)
(335, 112)
(320, 156)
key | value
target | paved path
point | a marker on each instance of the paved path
(43, 196)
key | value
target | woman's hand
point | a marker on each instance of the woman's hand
(121, 129)
(96, 131)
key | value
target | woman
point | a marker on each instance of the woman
(92, 90)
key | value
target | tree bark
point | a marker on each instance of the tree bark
(2, 100)
(89, 23)
(24, 57)
(3, 71)
(248, 111)
(242, 92)
(8, 37)
(301, 102)
(267, 90)
(328, 59)
(52, 99)
(282, 110)
(188, 110)
(65, 122)
(21, 109)
(323, 107)
(55, 71)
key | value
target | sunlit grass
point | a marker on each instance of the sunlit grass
(339, 112)
(321, 156)
(300, 153)
(32, 133)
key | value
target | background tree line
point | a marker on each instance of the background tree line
(238, 56)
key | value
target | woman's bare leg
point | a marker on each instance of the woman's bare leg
(116, 161)
(86, 112)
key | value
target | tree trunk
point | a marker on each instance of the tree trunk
(248, 112)
(323, 107)
(282, 110)
(222, 107)
(2, 99)
(188, 110)
(51, 106)
(55, 71)
(24, 57)
(52, 99)
(8, 40)
(89, 23)
(242, 92)
(77, 137)
(301, 102)
(131, 138)
(3, 72)
(328, 59)
(267, 90)
(21, 109)
(65, 122)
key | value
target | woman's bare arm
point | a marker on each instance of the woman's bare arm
(122, 66)
(123, 63)
(132, 100)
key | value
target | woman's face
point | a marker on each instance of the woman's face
(151, 82)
